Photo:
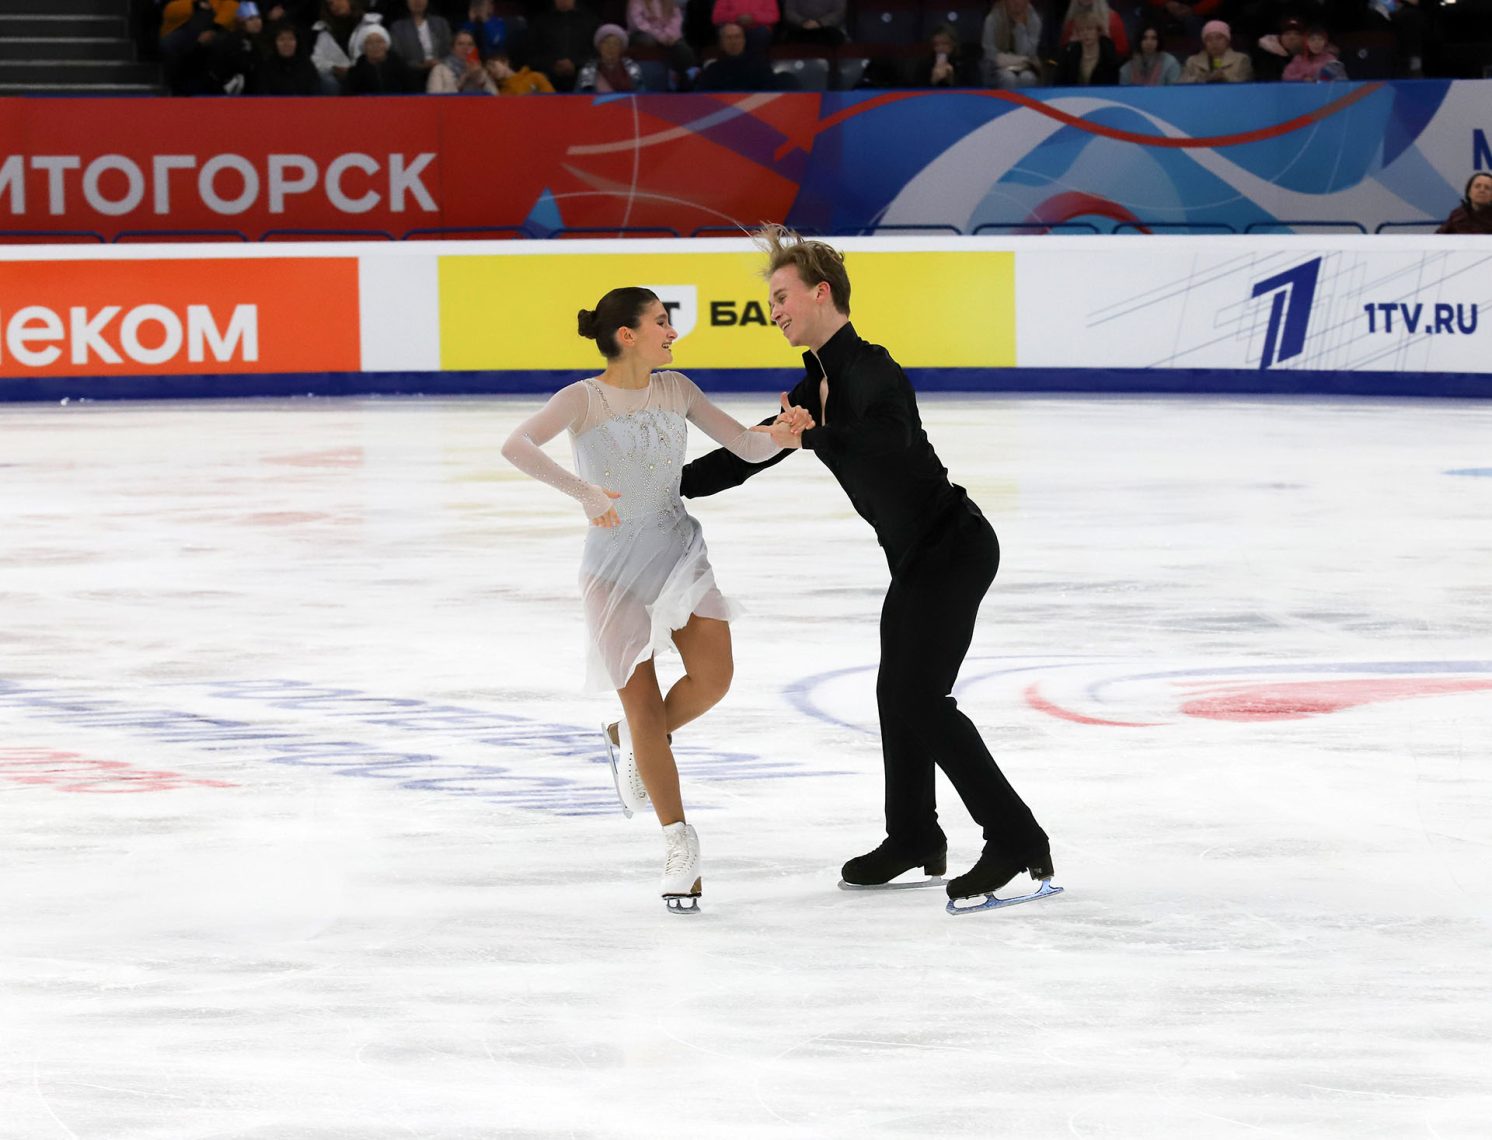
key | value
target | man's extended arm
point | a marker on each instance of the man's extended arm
(719, 470)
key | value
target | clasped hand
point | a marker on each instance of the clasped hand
(787, 429)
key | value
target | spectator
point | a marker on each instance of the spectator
(198, 52)
(609, 70)
(660, 23)
(243, 48)
(1474, 214)
(1012, 45)
(1316, 62)
(1149, 66)
(378, 70)
(175, 13)
(421, 41)
(286, 71)
(757, 18)
(487, 28)
(735, 68)
(1217, 62)
(559, 40)
(339, 40)
(1090, 60)
(945, 64)
(1109, 24)
(461, 72)
(813, 21)
(1276, 52)
(522, 81)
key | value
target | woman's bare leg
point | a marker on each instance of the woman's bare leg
(704, 644)
(643, 704)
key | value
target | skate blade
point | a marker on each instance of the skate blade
(616, 773)
(913, 886)
(682, 904)
(990, 902)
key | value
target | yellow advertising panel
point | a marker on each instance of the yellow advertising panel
(517, 311)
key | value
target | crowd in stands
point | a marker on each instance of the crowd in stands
(521, 47)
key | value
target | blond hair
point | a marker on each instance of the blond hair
(815, 261)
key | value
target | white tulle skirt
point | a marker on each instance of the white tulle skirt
(639, 582)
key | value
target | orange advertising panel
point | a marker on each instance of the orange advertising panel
(133, 318)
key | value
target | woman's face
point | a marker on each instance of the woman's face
(285, 44)
(376, 48)
(1088, 34)
(1480, 191)
(655, 334)
(339, 7)
(611, 49)
(1316, 42)
(1216, 43)
(464, 45)
(417, 7)
(1150, 42)
(1017, 9)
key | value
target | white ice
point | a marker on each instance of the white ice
(1238, 659)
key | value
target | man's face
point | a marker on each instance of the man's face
(564, 5)
(285, 44)
(797, 310)
(339, 7)
(1291, 40)
(417, 7)
(732, 39)
(942, 45)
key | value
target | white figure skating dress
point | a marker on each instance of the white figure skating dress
(641, 580)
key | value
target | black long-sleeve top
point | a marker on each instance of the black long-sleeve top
(873, 443)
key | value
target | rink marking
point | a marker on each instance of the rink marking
(74, 772)
(281, 741)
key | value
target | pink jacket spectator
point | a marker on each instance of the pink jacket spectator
(663, 22)
(761, 13)
(1306, 68)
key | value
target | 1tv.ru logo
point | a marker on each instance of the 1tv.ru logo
(1290, 313)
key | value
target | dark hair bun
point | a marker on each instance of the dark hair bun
(585, 323)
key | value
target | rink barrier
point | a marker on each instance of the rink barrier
(1269, 315)
(768, 382)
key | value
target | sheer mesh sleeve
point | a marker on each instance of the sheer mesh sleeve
(524, 448)
(722, 427)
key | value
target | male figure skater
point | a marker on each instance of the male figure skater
(943, 556)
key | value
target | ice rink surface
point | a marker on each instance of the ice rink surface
(306, 834)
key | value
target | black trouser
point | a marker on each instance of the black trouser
(927, 623)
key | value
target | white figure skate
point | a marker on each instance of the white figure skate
(630, 789)
(682, 880)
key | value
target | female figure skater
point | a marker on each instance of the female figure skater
(645, 576)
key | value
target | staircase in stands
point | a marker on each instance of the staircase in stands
(71, 47)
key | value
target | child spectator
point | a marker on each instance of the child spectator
(944, 64)
(522, 81)
(1090, 59)
(1316, 62)
(1012, 45)
(1217, 62)
(1150, 66)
